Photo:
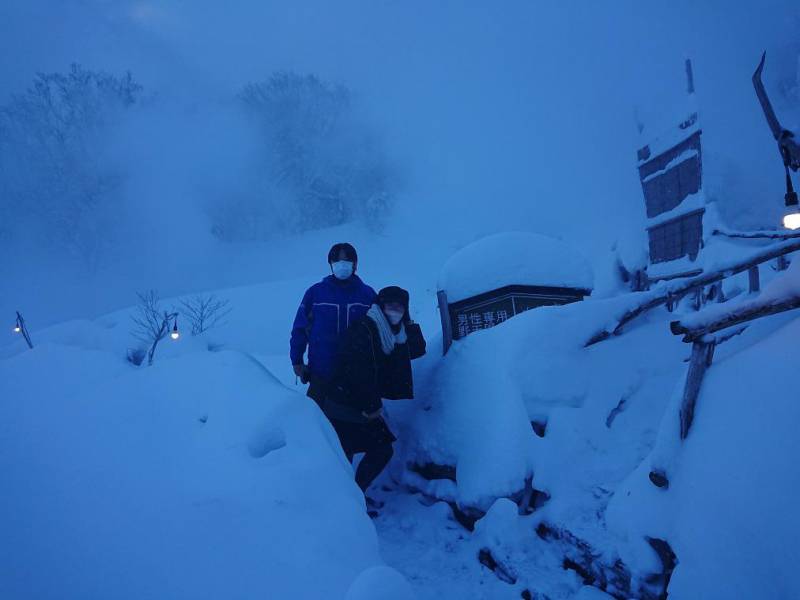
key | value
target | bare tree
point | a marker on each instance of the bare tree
(151, 324)
(205, 311)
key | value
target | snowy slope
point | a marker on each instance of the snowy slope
(211, 475)
(199, 477)
(729, 511)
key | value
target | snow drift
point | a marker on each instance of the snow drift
(199, 477)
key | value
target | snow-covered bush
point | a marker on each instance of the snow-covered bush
(322, 164)
(57, 190)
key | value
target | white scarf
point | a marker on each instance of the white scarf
(388, 337)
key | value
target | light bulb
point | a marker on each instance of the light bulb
(792, 220)
(17, 328)
(175, 334)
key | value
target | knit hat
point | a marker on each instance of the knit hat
(349, 252)
(393, 294)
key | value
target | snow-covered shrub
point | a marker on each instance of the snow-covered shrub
(57, 191)
(136, 356)
(322, 164)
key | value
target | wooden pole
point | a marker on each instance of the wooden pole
(755, 235)
(753, 276)
(747, 313)
(702, 354)
(447, 325)
(23, 329)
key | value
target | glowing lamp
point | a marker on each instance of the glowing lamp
(175, 333)
(17, 328)
(792, 220)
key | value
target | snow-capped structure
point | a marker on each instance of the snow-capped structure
(513, 257)
(671, 173)
(503, 275)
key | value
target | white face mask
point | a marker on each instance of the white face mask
(342, 269)
(394, 317)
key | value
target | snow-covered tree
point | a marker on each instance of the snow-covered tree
(56, 187)
(323, 164)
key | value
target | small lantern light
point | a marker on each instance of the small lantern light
(17, 328)
(175, 333)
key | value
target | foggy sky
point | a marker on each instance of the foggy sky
(510, 113)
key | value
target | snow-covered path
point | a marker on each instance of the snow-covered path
(439, 557)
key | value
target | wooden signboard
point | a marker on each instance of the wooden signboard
(486, 310)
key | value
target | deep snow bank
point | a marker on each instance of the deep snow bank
(600, 405)
(604, 417)
(199, 477)
(730, 510)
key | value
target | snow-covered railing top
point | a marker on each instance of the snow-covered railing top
(780, 295)
(668, 291)
(767, 235)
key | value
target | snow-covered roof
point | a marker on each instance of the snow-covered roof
(513, 258)
(670, 137)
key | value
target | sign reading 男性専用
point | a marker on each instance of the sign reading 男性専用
(492, 308)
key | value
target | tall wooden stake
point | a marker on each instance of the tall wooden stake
(702, 353)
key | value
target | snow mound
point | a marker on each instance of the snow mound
(599, 405)
(381, 582)
(729, 513)
(513, 258)
(199, 477)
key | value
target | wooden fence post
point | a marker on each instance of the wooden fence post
(702, 353)
(753, 276)
(447, 326)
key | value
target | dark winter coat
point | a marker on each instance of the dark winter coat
(327, 310)
(364, 374)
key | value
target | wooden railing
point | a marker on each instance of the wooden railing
(705, 334)
(668, 292)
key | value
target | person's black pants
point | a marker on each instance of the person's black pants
(374, 439)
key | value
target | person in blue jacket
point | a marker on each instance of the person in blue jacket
(326, 311)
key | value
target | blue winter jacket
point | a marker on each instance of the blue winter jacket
(327, 309)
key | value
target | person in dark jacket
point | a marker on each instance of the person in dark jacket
(326, 311)
(374, 363)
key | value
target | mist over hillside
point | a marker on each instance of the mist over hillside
(478, 118)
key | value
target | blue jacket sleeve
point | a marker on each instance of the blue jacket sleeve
(302, 321)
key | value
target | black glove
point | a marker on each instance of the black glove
(302, 372)
(416, 342)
